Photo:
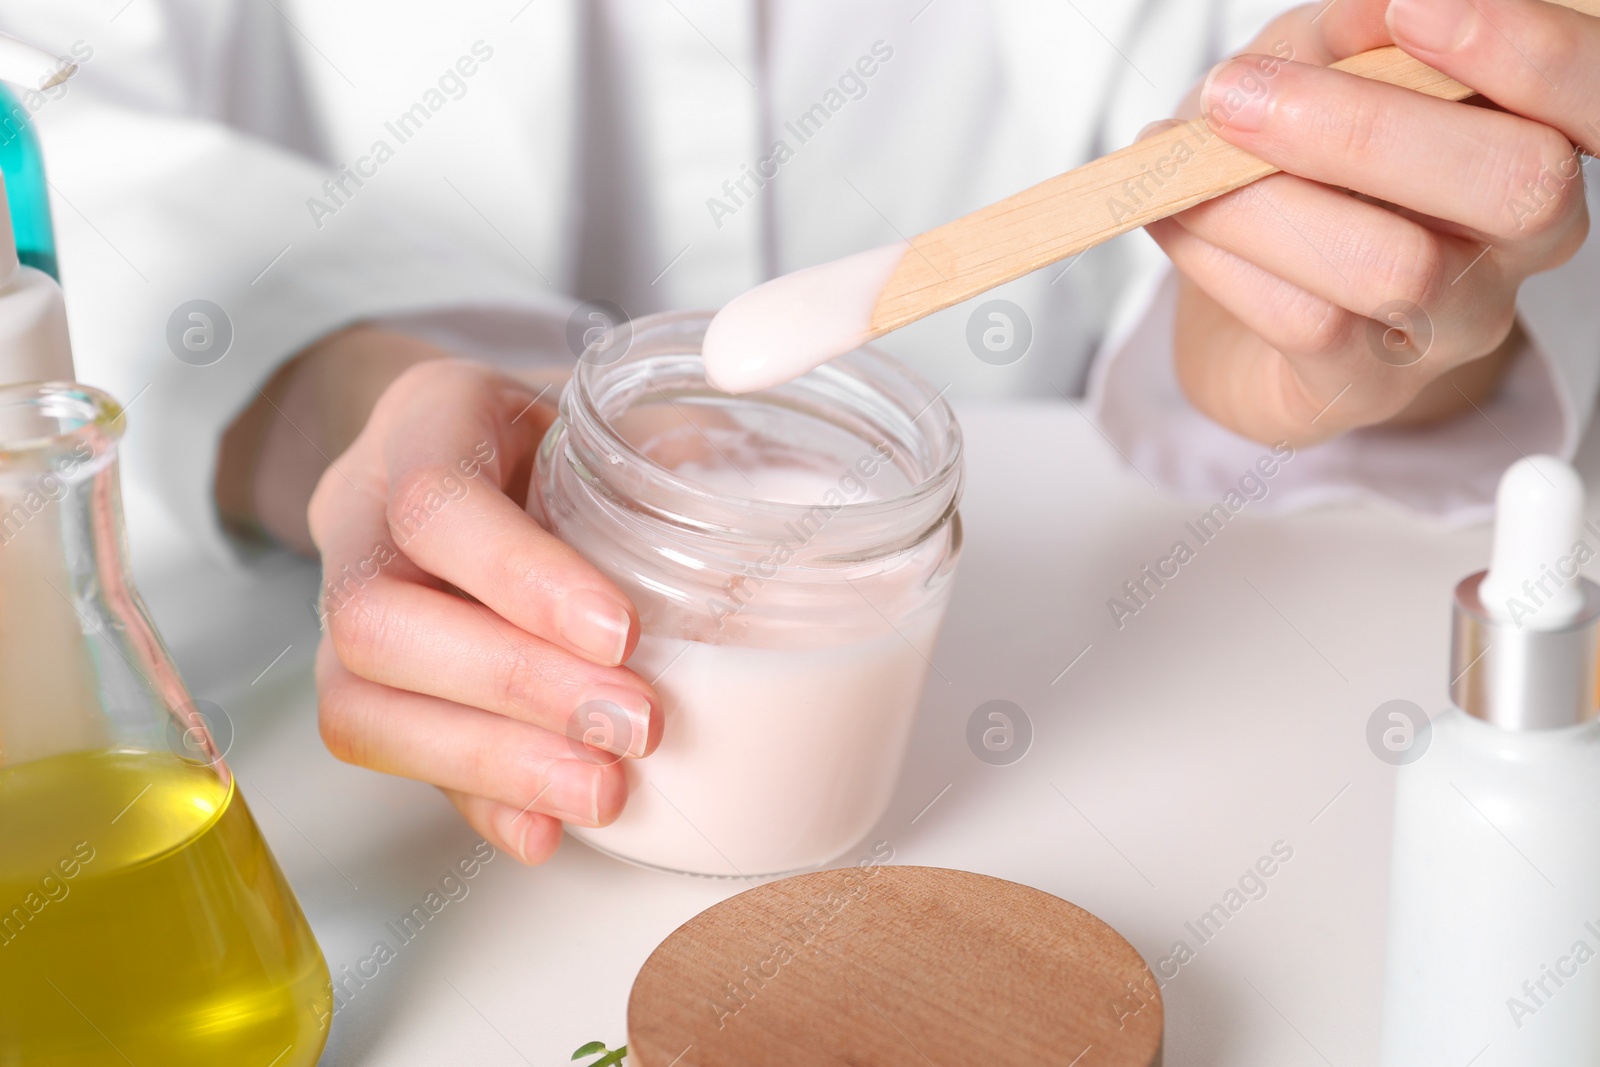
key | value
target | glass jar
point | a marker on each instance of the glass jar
(142, 917)
(790, 552)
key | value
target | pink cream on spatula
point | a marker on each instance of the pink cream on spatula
(783, 328)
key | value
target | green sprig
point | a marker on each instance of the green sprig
(608, 1057)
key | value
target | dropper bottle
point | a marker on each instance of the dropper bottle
(40, 665)
(1494, 908)
(34, 345)
(21, 161)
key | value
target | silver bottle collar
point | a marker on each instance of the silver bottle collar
(1518, 678)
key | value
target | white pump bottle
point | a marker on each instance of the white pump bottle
(1494, 908)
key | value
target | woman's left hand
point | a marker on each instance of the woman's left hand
(1375, 280)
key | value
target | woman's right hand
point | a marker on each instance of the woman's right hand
(463, 645)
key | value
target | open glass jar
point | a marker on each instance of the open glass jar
(790, 552)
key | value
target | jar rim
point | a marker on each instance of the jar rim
(865, 376)
(84, 414)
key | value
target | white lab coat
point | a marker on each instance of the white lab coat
(535, 152)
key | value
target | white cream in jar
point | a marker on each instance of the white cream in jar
(790, 552)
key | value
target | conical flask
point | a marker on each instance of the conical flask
(142, 918)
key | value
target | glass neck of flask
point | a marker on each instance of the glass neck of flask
(81, 666)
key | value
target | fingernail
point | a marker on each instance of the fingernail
(1237, 94)
(514, 833)
(615, 719)
(595, 625)
(572, 793)
(1432, 25)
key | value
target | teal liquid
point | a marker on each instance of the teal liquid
(26, 191)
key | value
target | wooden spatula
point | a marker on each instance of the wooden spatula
(1072, 212)
(780, 330)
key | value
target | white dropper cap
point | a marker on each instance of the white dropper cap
(1538, 521)
(1525, 641)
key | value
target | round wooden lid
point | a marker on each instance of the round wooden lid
(894, 965)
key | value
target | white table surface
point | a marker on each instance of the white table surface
(1228, 715)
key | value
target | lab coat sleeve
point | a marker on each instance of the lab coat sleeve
(170, 185)
(1449, 471)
